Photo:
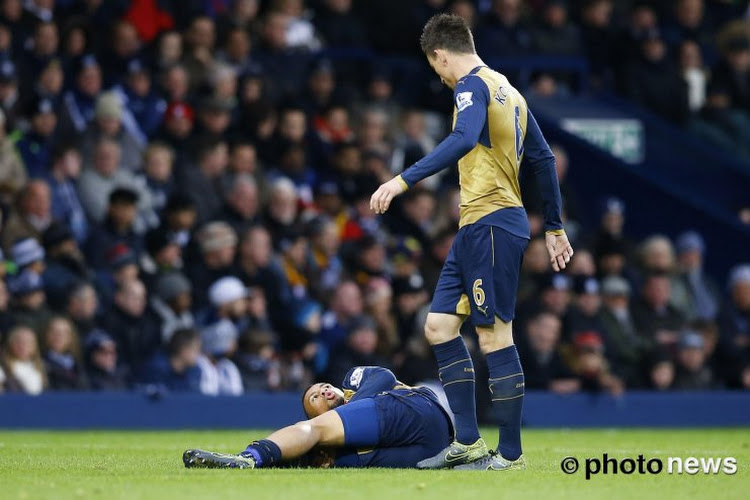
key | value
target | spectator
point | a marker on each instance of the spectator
(121, 266)
(691, 372)
(502, 31)
(360, 349)
(258, 268)
(168, 311)
(162, 255)
(410, 296)
(179, 219)
(28, 302)
(702, 292)
(255, 361)
(599, 38)
(591, 367)
(734, 326)
(281, 218)
(109, 122)
(327, 267)
(177, 368)
(31, 215)
(102, 367)
(65, 266)
(689, 23)
(143, 109)
(82, 307)
(345, 306)
(117, 227)
(555, 34)
(584, 314)
(202, 182)
(228, 298)
(158, 178)
(217, 243)
(66, 204)
(36, 145)
(539, 352)
(28, 254)
(200, 38)
(79, 103)
(662, 373)
(241, 204)
(22, 363)
(102, 177)
(626, 347)
(653, 315)
(12, 173)
(654, 82)
(127, 325)
(62, 356)
(220, 374)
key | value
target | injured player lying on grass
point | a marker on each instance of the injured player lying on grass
(372, 421)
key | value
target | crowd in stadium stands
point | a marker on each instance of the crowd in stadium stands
(185, 195)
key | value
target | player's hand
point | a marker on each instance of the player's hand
(560, 250)
(381, 199)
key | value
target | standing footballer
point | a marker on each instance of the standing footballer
(493, 132)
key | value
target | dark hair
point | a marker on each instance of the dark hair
(180, 340)
(304, 393)
(447, 32)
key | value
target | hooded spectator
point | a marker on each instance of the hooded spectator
(29, 303)
(169, 309)
(221, 376)
(103, 369)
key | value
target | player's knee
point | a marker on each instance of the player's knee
(436, 332)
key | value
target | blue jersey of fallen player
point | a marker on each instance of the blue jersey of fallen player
(398, 423)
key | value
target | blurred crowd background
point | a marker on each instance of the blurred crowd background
(185, 194)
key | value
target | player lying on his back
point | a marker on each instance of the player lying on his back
(375, 422)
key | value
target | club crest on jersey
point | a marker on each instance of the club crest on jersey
(500, 95)
(356, 377)
(463, 100)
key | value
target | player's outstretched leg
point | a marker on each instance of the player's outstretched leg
(457, 375)
(285, 444)
(507, 390)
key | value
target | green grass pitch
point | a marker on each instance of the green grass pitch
(113, 465)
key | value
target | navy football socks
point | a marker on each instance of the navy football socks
(266, 453)
(507, 389)
(457, 375)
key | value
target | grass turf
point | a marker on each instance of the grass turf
(110, 465)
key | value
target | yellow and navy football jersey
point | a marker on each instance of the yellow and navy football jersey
(493, 132)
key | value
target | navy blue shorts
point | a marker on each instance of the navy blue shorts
(392, 431)
(480, 276)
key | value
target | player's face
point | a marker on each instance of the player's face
(322, 397)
